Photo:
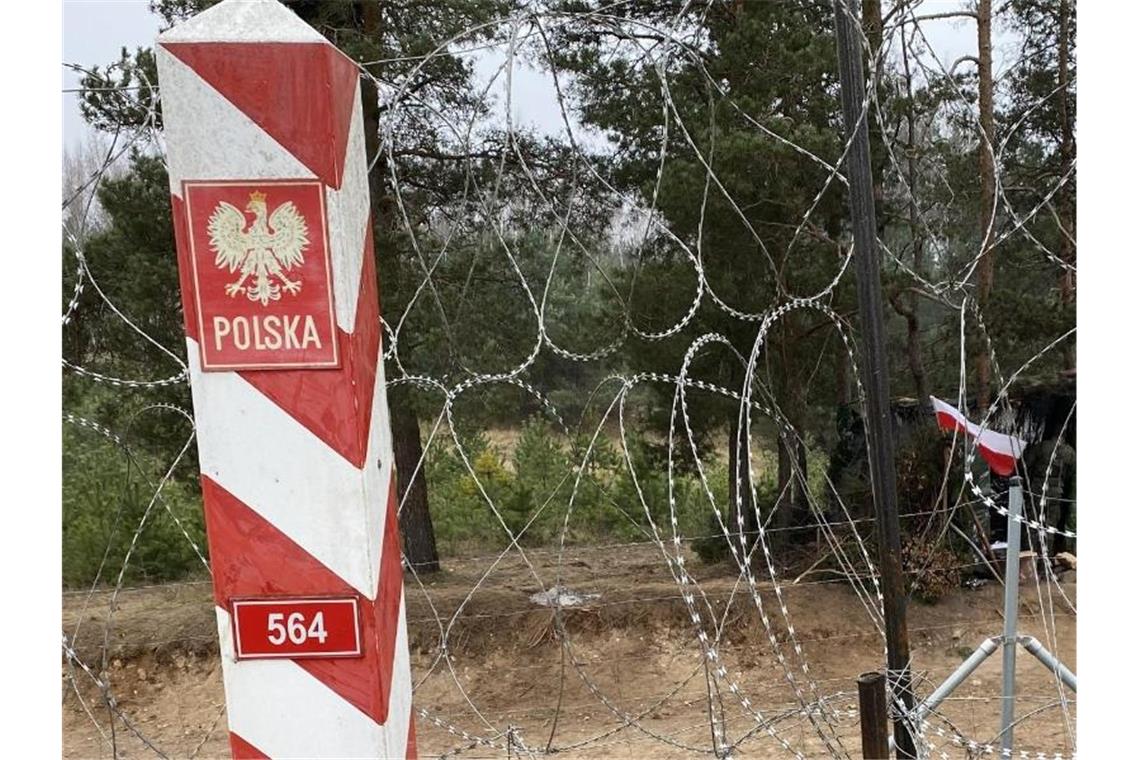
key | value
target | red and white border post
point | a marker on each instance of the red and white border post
(265, 149)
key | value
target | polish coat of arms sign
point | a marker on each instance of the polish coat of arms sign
(262, 282)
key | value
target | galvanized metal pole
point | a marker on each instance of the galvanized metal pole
(1009, 637)
(968, 666)
(1049, 660)
(874, 369)
(873, 716)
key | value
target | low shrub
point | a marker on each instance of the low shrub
(106, 496)
(933, 571)
(549, 485)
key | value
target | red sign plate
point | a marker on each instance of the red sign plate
(296, 628)
(260, 256)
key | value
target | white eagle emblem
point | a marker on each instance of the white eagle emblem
(267, 250)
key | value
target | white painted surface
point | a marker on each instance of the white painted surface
(207, 137)
(400, 696)
(297, 482)
(244, 21)
(285, 712)
(253, 448)
(348, 210)
(380, 470)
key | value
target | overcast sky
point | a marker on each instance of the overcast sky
(93, 33)
(95, 30)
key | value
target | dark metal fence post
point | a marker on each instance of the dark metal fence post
(873, 716)
(880, 435)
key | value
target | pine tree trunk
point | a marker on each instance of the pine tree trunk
(791, 504)
(801, 516)
(791, 473)
(415, 519)
(986, 180)
(914, 355)
(783, 506)
(1067, 211)
(913, 328)
(842, 383)
(791, 455)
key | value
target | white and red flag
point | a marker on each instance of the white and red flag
(1000, 450)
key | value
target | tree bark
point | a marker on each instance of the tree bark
(913, 343)
(913, 327)
(802, 511)
(1067, 211)
(842, 384)
(415, 519)
(784, 489)
(914, 356)
(985, 279)
(790, 497)
(791, 503)
(873, 28)
(873, 23)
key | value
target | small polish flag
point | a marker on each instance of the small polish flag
(1000, 451)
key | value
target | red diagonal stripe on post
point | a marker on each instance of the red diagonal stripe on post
(334, 404)
(243, 750)
(251, 557)
(273, 83)
(384, 614)
(411, 751)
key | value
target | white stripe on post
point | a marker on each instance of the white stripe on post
(226, 145)
(348, 219)
(233, 450)
(303, 713)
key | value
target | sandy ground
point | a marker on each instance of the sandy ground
(629, 683)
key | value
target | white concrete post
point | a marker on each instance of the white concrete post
(265, 147)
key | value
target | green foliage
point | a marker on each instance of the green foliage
(747, 224)
(711, 545)
(448, 331)
(106, 496)
(458, 513)
(534, 490)
(771, 62)
(122, 94)
(133, 262)
(105, 492)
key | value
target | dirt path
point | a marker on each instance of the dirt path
(630, 683)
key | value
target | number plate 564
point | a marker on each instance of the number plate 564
(296, 628)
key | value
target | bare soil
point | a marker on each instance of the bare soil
(630, 683)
